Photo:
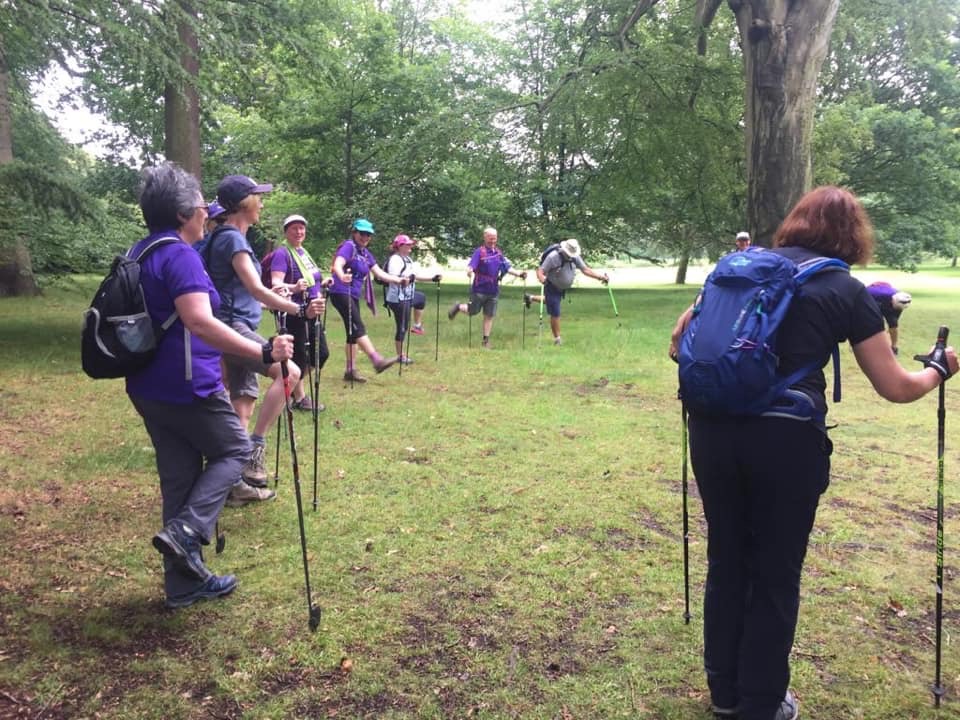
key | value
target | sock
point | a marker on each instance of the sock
(258, 439)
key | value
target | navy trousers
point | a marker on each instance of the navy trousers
(760, 480)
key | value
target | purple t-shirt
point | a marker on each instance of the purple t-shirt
(357, 259)
(169, 272)
(487, 266)
(283, 262)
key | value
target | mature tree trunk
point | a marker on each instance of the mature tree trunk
(181, 106)
(16, 269)
(682, 265)
(784, 45)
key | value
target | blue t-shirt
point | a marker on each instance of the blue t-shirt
(236, 304)
(167, 273)
(357, 259)
(281, 261)
(487, 266)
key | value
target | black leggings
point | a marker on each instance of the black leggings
(305, 334)
(401, 312)
(349, 309)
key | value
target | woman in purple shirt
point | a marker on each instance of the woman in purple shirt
(352, 263)
(199, 441)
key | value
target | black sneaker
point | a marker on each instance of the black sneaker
(454, 309)
(215, 586)
(527, 299)
(181, 543)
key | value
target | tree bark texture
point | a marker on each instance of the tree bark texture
(181, 107)
(16, 269)
(784, 45)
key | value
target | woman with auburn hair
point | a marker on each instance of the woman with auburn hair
(760, 477)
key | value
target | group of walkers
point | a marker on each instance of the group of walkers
(760, 477)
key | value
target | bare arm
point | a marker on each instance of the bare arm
(244, 268)
(195, 312)
(888, 378)
(590, 272)
(677, 331)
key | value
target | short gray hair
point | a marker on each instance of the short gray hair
(168, 194)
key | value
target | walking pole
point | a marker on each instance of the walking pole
(314, 610)
(316, 403)
(353, 354)
(409, 317)
(523, 331)
(405, 331)
(938, 689)
(616, 313)
(221, 536)
(540, 327)
(276, 465)
(686, 516)
(436, 344)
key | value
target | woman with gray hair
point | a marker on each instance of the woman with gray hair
(199, 441)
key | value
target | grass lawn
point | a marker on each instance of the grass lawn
(497, 534)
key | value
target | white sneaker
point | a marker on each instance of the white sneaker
(241, 493)
(557, 341)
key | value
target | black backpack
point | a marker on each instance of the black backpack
(119, 338)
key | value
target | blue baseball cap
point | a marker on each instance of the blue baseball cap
(234, 188)
(363, 225)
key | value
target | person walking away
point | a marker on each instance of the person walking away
(353, 264)
(742, 241)
(556, 273)
(892, 303)
(760, 477)
(486, 268)
(199, 442)
(292, 268)
(401, 299)
(235, 273)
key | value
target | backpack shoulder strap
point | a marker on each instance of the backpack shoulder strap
(165, 240)
(806, 270)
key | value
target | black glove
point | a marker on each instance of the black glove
(302, 312)
(937, 359)
(267, 352)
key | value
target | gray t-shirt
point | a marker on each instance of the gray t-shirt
(561, 270)
(236, 304)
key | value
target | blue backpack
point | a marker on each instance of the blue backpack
(728, 353)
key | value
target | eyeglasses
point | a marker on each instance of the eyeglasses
(365, 234)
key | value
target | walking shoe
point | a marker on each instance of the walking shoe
(304, 403)
(255, 471)
(724, 713)
(385, 363)
(527, 299)
(454, 309)
(353, 376)
(417, 329)
(241, 493)
(181, 543)
(215, 586)
(406, 360)
(485, 343)
(557, 341)
(788, 708)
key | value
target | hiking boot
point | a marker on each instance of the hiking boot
(214, 587)
(454, 309)
(788, 709)
(527, 299)
(181, 543)
(255, 471)
(385, 363)
(304, 403)
(241, 493)
(353, 376)
(417, 329)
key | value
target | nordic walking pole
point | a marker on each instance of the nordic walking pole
(316, 403)
(221, 536)
(940, 346)
(276, 465)
(409, 321)
(314, 610)
(686, 516)
(523, 331)
(616, 313)
(436, 344)
(540, 327)
(353, 354)
(405, 327)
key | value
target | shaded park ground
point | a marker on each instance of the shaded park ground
(497, 535)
